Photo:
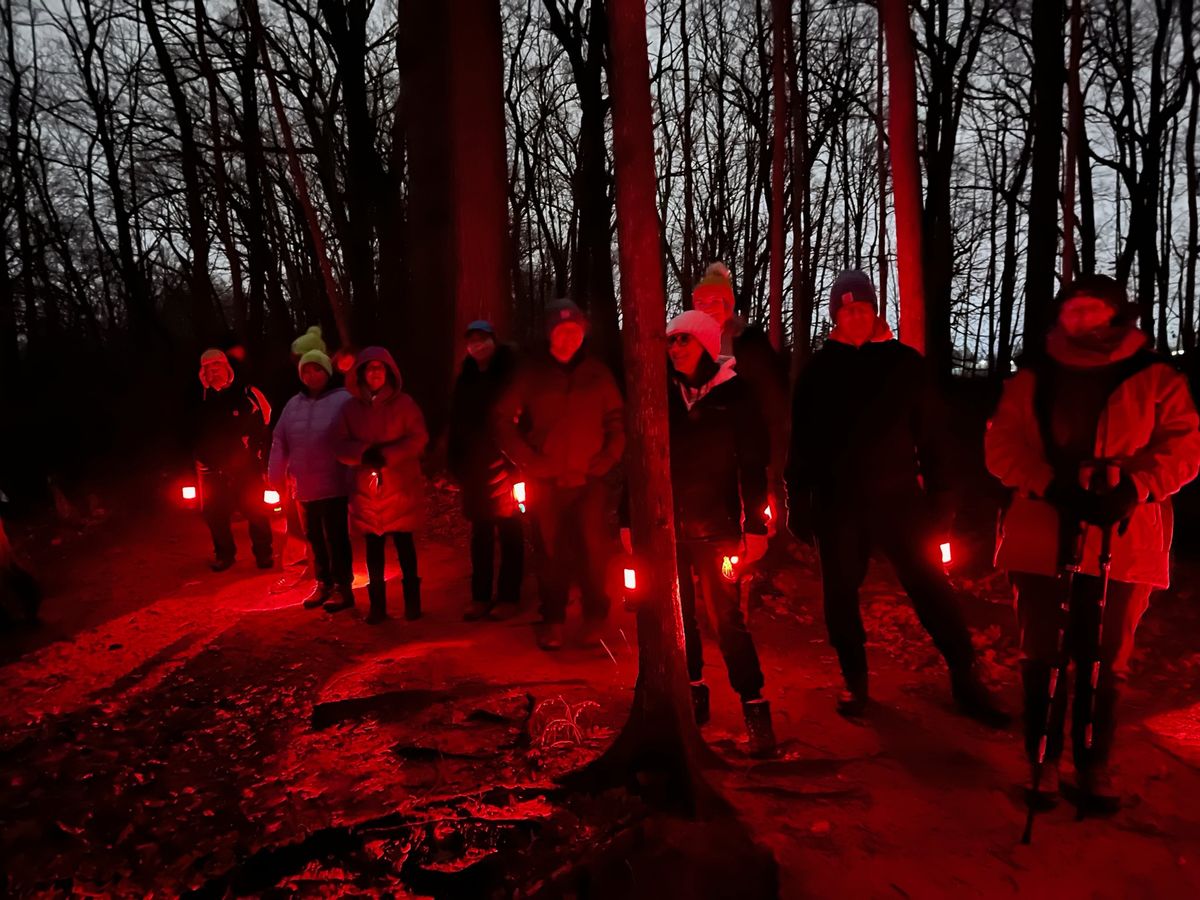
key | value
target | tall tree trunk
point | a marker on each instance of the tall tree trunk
(906, 177)
(1192, 253)
(661, 734)
(1087, 202)
(689, 177)
(478, 145)
(258, 250)
(781, 23)
(802, 267)
(1046, 24)
(204, 317)
(1074, 134)
(881, 168)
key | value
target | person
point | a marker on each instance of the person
(380, 436)
(869, 469)
(719, 456)
(561, 424)
(485, 475)
(229, 452)
(303, 448)
(1093, 399)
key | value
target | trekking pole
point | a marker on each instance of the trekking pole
(1072, 569)
(1112, 476)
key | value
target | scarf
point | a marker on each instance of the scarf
(1101, 347)
(693, 394)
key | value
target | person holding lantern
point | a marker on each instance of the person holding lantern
(561, 423)
(870, 469)
(303, 448)
(229, 452)
(380, 436)
(719, 457)
(485, 475)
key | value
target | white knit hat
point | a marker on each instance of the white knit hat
(701, 326)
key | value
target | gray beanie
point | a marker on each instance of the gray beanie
(852, 286)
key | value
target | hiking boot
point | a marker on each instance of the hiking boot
(265, 562)
(700, 702)
(320, 593)
(504, 611)
(758, 728)
(550, 637)
(1099, 793)
(377, 594)
(1045, 795)
(343, 598)
(852, 702)
(476, 611)
(220, 563)
(412, 599)
(376, 615)
(975, 700)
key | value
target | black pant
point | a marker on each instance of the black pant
(406, 552)
(701, 562)
(1039, 614)
(571, 543)
(484, 534)
(327, 528)
(846, 536)
(223, 494)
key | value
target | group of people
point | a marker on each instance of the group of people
(1092, 436)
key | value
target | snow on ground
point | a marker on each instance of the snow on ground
(172, 730)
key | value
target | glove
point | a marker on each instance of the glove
(1114, 506)
(372, 457)
(756, 548)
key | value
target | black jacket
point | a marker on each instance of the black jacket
(473, 455)
(868, 428)
(231, 434)
(719, 455)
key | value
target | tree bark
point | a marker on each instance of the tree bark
(1192, 252)
(781, 23)
(1074, 135)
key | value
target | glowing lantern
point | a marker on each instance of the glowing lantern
(518, 495)
(271, 498)
(728, 570)
(189, 492)
(767, 513)
(630, 580)
(946, 557)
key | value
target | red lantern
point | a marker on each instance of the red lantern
(518, 495)
(729, 568)
(946, 556)
(189, 492)
(767, 513)
(630, 580)
(270, 497)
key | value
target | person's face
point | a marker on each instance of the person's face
(314, 377)
(375, 376)
(684, 351)
(856, 322)
(1083, 314)
(712, 305)
(565, 341)
(480, 346)
(216, 373)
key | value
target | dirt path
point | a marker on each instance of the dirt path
(172, 730)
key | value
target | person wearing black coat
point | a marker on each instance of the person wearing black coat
(484, 475)
(230, 449)
(719, 457)
(869, 469)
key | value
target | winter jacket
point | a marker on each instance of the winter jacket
(719, 456)
(303, 446)
(765, 373)
(232, 430)
(473, 455)
(390, 498)
(1148, 425)
(868, 428)
(574, 415)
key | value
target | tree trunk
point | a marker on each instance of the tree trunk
(1046, 23)
(689, 178)
(881, 170)
(660, 738)
(802, 267)
(781, 23)
(1074, 134)
(906, 178)
(1192, 253)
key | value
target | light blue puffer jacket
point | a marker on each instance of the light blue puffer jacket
(303, 446)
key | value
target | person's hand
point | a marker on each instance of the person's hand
(1071, 499)
(756, 548)
(1114, 506)
(372, 457)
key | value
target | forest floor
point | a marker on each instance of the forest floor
(167, 731)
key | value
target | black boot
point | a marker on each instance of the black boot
(700, 702)
(758, 728)
(343, 598)
(852, 702)
(412, 598)
(320, 593)
(377, 593)
(220, 563)
(975, 700)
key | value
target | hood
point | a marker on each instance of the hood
(228, 368)
(1102, 348)
(354, 380)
